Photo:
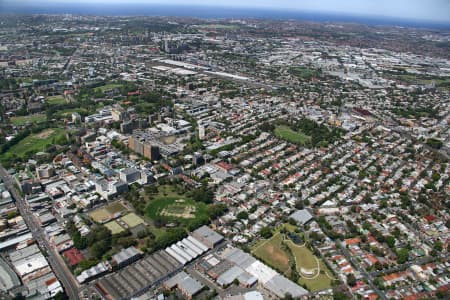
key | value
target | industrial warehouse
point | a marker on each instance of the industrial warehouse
(139, 277)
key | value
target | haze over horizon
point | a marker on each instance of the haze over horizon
(417, 10)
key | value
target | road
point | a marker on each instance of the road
(364, 273)
(59, 267)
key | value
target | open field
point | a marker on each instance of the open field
(270, 252)
(114, 227)
(303, 72)
(105, 213)
(100, 215)
(22, 120)
(65, 113)
(175, 208)
(109, 87)
(290, 135)
(116, 207)
(132, 220)
(35, 143)
(313, 272)
(56, 100)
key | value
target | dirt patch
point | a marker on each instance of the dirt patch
(45, 134)
(179, 210)
(277, 254)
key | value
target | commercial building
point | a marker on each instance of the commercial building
(45, 171)
(302, 216)
(126, 257)
(267, 277)
(137, 278)
(207, 236)
(143, 147)
(185, 283)
(94, 272)
(129, 175)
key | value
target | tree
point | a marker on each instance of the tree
(351, 280)
(438, 246)
(402, 255)
(337, 295)
(390, 241)
(266, 232)
(434, 143)
(216, 210)
(288, 296)
(299, 204)
(61, 296)
(243, 215)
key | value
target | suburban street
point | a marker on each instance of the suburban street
(364, 273)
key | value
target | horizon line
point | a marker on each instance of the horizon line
(19, 8)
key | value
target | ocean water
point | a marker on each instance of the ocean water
(142, 9)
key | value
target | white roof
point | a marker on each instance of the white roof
(30, 264)
(262, 272)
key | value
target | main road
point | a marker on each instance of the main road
(59, 267)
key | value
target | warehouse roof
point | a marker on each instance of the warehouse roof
(281, 286)
(229, 276)
(126, 254)
(302, 216)
(24, 252)
(15, 241)
(185, 283)
(8, 279)
(208, 234)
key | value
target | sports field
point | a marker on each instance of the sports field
(56, 100)
(176, 208)
(270, 252)
(35, 143)
(106, 213)
(114, 227)
(109, 87)
(116, 207)
(132, 220)
(22, 120)
(100, 215)
(292, 136)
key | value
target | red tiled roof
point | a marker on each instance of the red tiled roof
(430, 218)
(352, 241)
(224, 165)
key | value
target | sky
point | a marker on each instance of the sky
(430, 10)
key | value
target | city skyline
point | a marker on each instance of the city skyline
(434, 10)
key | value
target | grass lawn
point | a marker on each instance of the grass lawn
(114, 227)
(319, 283)
(22, 120)
(292, 136)
(116, 207)
(56, 100)
(314, 273)
(176, 208)
(132, 220)
(272, 254)
(304, 72)
(109, 87)
(67, 112)
(35, 143)
(100, 215)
